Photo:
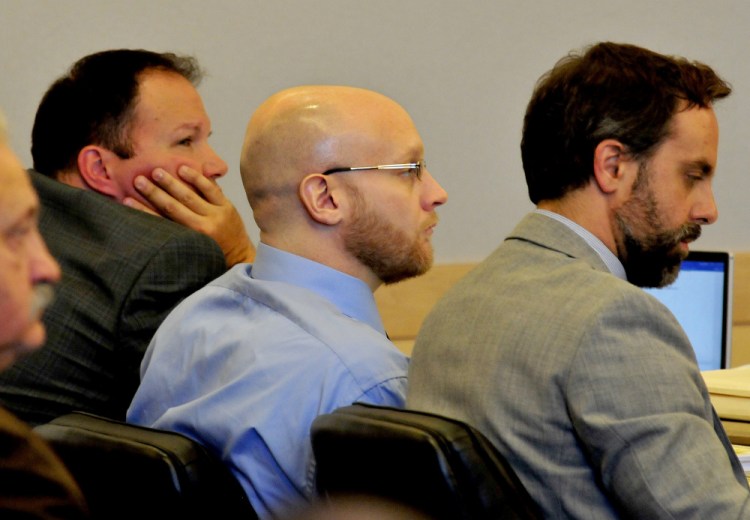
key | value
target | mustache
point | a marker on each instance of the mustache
(689, 233)
(44, 294)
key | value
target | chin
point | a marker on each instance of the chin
(33, 339)
(7, 358)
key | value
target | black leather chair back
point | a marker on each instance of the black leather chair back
(437, 465)
(136, 473)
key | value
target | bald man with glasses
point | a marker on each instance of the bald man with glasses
(344, 203)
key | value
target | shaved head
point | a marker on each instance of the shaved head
(310, 129)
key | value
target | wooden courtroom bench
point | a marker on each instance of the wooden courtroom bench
(741, 315)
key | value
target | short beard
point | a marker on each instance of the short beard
(390, 253)
(654, 258)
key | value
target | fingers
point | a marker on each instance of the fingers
(197, 202)
(192, 190)
(172, 198)
(204, 186)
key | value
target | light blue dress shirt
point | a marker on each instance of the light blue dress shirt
(245, 364)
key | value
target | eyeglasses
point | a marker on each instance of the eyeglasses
(415, 168)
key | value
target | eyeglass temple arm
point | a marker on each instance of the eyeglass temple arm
(379, 167)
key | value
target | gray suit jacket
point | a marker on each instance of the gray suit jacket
(585, 382)
(122, 272)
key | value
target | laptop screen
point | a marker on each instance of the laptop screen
(701, 300)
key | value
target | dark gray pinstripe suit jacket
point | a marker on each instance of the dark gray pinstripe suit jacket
(123, 271)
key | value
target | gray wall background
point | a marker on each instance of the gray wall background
(464, 69)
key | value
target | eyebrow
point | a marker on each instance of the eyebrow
(195, 127)
(704, 166)
(414, 152)
(31, 214)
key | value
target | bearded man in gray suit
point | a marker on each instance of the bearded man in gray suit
(585, 383)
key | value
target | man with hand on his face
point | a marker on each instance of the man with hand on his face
(101, 130)
(33, 481)
(585, 383)
(344, 202)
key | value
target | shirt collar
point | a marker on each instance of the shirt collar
(608, 257)
(350, 295)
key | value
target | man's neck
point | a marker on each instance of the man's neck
(71, 179)
(588, 211)
(323, 249)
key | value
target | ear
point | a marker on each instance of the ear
(94, 165)
(320, 199)
(610, 162)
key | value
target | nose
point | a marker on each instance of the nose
(44, 268)
(214, 166)
(704, 210)
(433, 193)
